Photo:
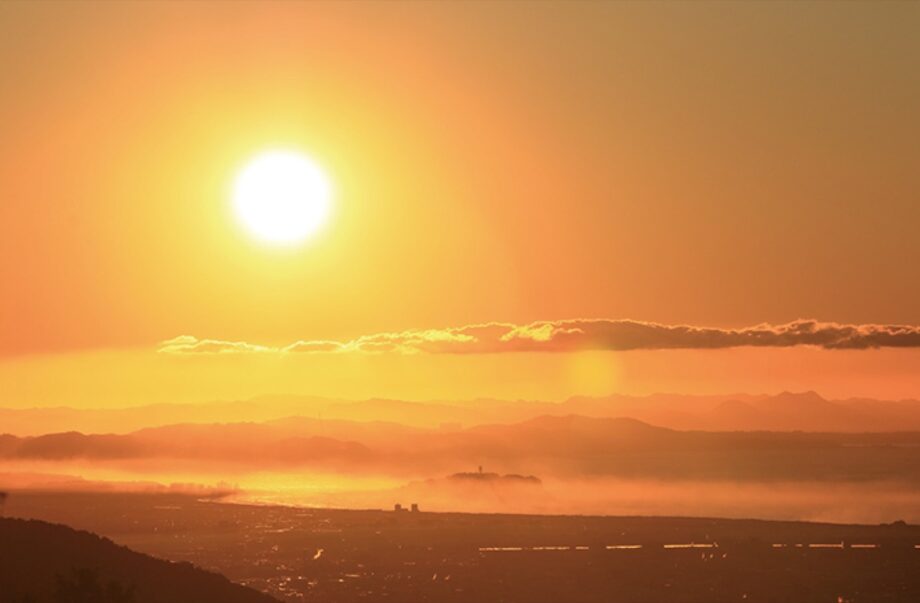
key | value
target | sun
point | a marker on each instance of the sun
(282, 197)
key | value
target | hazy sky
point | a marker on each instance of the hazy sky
(722, 164)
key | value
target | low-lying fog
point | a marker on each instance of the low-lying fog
(837, 502)
(868, 502)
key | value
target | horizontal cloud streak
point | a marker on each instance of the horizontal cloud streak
(575, 335)
(186, 344)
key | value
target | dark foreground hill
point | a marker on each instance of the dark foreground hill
(42, 562)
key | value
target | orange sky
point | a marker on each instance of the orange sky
(721, 165)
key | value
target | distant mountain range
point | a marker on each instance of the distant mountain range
(42, 562)
(559, 446)
(787, 411)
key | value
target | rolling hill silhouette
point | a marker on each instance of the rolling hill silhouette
(42, 562)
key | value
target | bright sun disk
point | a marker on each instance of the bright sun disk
(282, 197)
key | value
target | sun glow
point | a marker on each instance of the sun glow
(282, 197)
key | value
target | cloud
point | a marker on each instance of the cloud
(579, 334)
(315, 347)
(633, 335)
(186, 344)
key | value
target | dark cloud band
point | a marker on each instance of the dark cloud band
(575, 335)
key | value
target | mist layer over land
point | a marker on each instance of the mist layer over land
(788, 456)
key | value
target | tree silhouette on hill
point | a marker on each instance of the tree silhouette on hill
(86, 587)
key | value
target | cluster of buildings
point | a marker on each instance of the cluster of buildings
(398, 508)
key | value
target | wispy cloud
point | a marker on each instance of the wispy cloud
(574, 335)
(186, 344)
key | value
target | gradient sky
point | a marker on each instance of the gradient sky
(722, 164)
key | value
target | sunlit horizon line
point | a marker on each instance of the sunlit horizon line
(458, 401)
